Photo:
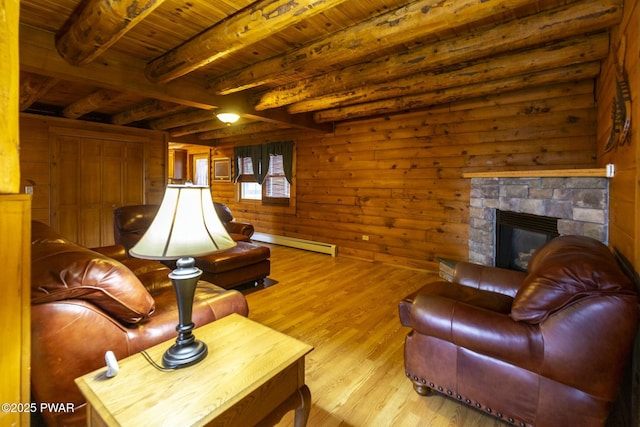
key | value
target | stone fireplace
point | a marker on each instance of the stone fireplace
(581, 205)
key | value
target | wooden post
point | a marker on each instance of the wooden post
(15, 228)
(9, 96)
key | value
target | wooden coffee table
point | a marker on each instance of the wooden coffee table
(251, 372)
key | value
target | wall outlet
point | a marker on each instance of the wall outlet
(28, 189)
(365, 237)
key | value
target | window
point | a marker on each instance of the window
(264, 172)
(275, 189)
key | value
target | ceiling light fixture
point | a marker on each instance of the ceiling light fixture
(227, 118)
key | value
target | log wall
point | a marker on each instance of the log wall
(398, 179)
(624, 215)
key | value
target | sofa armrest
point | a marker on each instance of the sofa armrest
(243, 228)
(493, 279)
(478, 329)
(117, 252)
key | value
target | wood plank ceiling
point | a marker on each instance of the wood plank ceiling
(171, 64)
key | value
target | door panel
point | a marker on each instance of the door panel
(92, 177)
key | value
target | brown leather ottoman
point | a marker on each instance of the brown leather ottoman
(247, 262)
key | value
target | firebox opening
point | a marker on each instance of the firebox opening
(518, 235)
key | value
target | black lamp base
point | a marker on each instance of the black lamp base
(187, 350)
(181, 356)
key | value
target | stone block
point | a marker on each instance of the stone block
(479, 258)
(559, 209)
(589, 215)
(512, 205)
(514, 191)
(540, 193)
(490, 191)
(476, 212)
(492, 203)
(590, 198)
(481, 237)
(563, 194)
(569, 227)
(533, 206)
(476, 202)
(554, 182)
(587, 182)
(482, 224)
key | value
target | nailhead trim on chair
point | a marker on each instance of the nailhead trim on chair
(422, 381)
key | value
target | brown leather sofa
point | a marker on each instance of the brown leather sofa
(85, 302)
(245, 263)
(545, 348)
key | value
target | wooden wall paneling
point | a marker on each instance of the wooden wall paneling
(155, 168)
(133, 174)
(91, 191)
(144, 160)
(65, 198)
(179, 164)
(398, 179)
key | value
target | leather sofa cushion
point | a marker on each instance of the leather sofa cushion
(242, 255)
(564, 271)
(63, 270)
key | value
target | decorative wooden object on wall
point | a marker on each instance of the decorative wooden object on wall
(621, 108)
(222, 169)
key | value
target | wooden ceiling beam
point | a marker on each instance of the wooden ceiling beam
(150, 109)
(403, 25)
(181, 119)
(569, 52)
(114, 70)
(280, 116)
(34, 87)
(193, 128)
(119, 71)
(236, 130)
(90, 103)
(238, 31)
(97, 24)
(395, 105)
(556, 24)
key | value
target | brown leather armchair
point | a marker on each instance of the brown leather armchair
(547, 348)
(85, 302)
(131, 222)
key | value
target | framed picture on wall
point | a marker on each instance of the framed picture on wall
(222, 169)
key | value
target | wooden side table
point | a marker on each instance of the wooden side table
(251, 371)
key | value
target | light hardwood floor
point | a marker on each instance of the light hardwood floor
(347, 309)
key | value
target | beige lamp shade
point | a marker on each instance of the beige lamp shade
(186, 225)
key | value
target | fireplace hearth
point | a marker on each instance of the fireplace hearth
(518, 235)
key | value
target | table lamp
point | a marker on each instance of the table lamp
(185, 226)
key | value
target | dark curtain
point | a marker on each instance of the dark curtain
(260, 154)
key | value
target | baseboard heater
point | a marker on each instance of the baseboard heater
(292, 242)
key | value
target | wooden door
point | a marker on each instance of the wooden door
(92, 177)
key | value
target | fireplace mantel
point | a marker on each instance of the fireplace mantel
(606, 172)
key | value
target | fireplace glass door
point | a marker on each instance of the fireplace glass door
(518, 235)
